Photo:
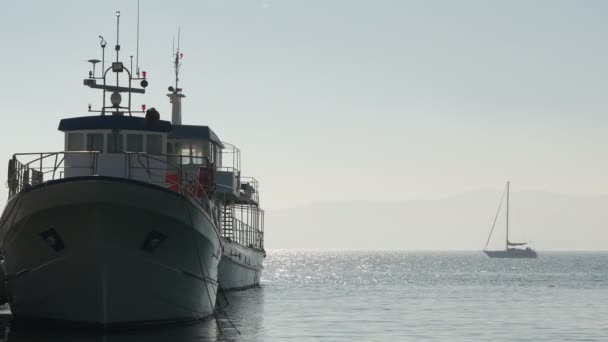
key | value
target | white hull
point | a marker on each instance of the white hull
(513, 253)
(110, 271)
(240, 267)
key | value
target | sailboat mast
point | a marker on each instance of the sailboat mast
(507, 242)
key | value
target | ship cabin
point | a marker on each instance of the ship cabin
(194, 145)
(153, 151)
(116, 146)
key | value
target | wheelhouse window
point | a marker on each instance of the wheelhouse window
(218, 159)
(114, 143)
(154, 144)
(95, 142)
(197, 149)
(211, 154)
(135, 143)
(75, 142)
(218, 155)
(183, 149)
(197, 152)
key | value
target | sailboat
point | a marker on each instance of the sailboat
(512, 249)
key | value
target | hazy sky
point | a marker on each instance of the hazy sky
(333, 100)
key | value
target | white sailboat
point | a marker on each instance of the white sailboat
(511, 250)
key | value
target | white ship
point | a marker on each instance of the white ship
(129, 223)
(242, 223)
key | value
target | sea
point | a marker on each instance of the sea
(394, 296)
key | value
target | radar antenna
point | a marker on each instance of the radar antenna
(137, 44)
(175, 95)
(177, 62)
(117, 47)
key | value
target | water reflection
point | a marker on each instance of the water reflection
(200, 331)
(244, 311)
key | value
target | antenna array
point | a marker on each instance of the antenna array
(117, 67)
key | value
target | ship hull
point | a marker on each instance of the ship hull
(512, 253)
(108, 252)
(240, 267)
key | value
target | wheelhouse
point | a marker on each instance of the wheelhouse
(125, 146)
(194, 146)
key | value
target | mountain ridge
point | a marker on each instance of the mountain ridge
(552, 221)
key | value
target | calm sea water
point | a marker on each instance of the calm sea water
(399, 296)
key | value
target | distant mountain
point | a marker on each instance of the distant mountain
(551, 221)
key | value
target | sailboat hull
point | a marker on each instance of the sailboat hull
(513, 253)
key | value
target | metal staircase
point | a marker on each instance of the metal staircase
(227, 221)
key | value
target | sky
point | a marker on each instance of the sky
(547, 221)
(337, 100)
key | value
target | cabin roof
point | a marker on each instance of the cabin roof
(194, 132)
(134, 123)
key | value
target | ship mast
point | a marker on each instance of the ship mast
(175, 95)
(507, 243)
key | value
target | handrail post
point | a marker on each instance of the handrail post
(179, 174)
(55, 166)
(149, 170)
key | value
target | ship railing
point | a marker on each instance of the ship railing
(28, 169)
(168, 171)
(245, 226)
(250, 189)
(228, 169)
(186, 179)
(248, 237)
(230, 158)
(227, 181)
